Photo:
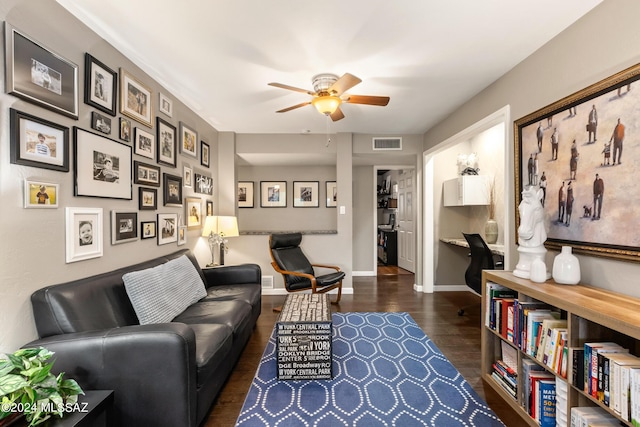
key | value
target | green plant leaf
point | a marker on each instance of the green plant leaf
(10, 383)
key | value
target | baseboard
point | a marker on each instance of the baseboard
(364, 273)
(451, 288)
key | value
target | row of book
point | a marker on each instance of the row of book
(534, 327)
(592, 416)
(506, 376)
(539, 393)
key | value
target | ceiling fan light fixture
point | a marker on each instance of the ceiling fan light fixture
(326, 105)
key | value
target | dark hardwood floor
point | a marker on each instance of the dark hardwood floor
(458, 337)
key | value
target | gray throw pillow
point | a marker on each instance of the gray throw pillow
(160, 293)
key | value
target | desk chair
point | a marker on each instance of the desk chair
(481, 259)
(298, 273)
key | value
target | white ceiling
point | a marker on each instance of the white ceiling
(429, 56)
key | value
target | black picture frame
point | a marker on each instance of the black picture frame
(124, 227)
(331, 189)
(172, 190)
(245, 194)
(166, 143)
(101, 123)
(25, 131)
(203, 184)
(148, 230)
(100, 85)
(146, 174)
(306, 194)
(147, 199)
(273, 194)
(589, 228)
(39, 75)
(205, 154)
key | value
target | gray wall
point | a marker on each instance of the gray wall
(602, 43)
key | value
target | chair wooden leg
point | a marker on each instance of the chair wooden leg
(277, 309)
(339, 295)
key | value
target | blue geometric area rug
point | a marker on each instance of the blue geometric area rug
(386, 372)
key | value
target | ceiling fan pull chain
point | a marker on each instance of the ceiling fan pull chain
(327, 130)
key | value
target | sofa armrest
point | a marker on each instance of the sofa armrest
(151, 368)
(232, 274)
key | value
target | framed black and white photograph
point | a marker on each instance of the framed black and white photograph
(125, 129)
(144, 143)
(182, 235)
(147, 199)
(332, 194)
(203, 184)
(147, 230)
(209, 208)
(166, 105)
(38, 143)
(83, 234)
(187, 176)
(273, 194)
(102, 166)
(166, 134)
(168, 228)
(100, 85)
(172, 190)
(124, 227)
(146, 174)
(39, 75)
(245, 194)
(135, 99)
(193, 208)
(38, 194)
(188, 140)
(101, 123)
(305, 194)
(204, 153)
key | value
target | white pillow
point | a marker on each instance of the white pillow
(160, 293)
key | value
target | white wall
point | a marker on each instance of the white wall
(602, 43)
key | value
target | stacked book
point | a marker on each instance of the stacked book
(592, 416)
(506, 377)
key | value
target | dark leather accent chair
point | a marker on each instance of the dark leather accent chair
(481, 259)
(298, 273)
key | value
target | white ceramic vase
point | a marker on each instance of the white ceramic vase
(566, 267)
(491, 231)
(538, 272)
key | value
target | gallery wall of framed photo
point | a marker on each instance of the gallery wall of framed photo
(100, 151)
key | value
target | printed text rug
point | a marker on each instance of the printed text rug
(387, 372)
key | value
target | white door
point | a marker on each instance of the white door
(406, 220)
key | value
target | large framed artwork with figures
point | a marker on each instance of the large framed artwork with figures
(582, 152)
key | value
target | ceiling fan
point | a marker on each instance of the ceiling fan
(329, 92)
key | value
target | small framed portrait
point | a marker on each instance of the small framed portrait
(305, 194)
(204, 153)
(172, 190)
(146, 174)
(166, 134)
(39, 75)
(125, 129)
(100, 85)
(124, 227)
(147, 199)
(135, 99)
(187, 176)
(273, 194)
(166, 105)
(245, 194)
(38, 194)
(209, 208)
(182, 235)
(193, 207)
(188, 140)
(144, 143)
(101, 123)
(38, 143)
(147, 230)
(83, 234)
(203, 184)
(102, 166)
(332, 194)
(168, 225)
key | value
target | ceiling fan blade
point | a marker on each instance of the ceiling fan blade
(367, 100)
(295, 89)
(337, 115)
(343, 84)
(302, 104)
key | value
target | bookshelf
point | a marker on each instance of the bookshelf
(591, 314)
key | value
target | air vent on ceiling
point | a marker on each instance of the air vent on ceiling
(388, 143)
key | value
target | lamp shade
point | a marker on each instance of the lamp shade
(228, 226)
(210, 226)
(326, 104)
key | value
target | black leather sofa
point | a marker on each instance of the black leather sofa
(165, 374)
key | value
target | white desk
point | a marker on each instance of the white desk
(495, 248)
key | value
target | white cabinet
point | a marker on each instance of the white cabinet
(466, 190)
